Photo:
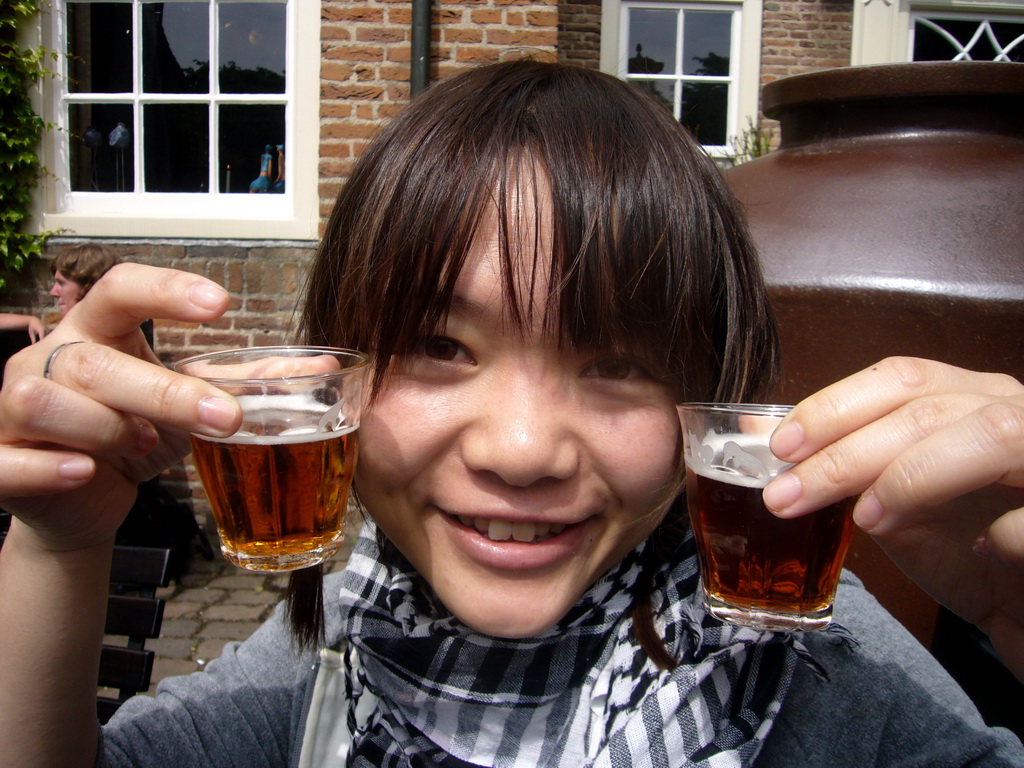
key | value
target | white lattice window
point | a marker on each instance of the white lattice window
(941, 37)
(887, 31)
(165, 114)
(699, 58)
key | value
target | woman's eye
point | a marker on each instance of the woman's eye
(440, 348)
(614, 368)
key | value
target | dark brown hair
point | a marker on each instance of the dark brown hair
(650, 251)
(85, 264)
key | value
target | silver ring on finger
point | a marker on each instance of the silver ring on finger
(48, 367)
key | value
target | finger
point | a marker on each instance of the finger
(100, 374)
(983, 448)
(43, 412)
(850, 465)
(130, 293)
(864, 397)
(1004, 539)
(275, 367)
(33, 472)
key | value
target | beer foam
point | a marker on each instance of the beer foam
(269, 420)
(287, 437)
(735, 459)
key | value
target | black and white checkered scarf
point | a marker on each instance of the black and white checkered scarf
(583, 694)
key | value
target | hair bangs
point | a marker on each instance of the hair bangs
(646, 253)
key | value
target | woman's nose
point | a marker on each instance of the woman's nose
(54, 291)
(522, 430)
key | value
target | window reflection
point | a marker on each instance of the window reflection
(706, 39)
(683, 56)
(100, 48)
(663, 91)
(246, 132)
(165, 124)
(176, 150)
(704, 111)
(252, 48)
(652, 35)
(175, 48)
(102, 151)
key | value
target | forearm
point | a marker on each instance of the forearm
(52, 611)
(11, 322)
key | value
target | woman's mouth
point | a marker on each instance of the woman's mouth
(507, 530)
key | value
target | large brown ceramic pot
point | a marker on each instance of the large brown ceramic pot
(891, 222)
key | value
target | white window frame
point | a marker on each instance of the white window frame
(291, 215)
(883, 29)
(744, 58)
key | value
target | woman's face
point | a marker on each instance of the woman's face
(66, 291)
(511, 473)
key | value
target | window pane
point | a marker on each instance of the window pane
(707, 36)
(652, 42)
(101, 148)
(931, 44)
(705, 111)
(1007, 33)
(176, 147)
(175, 49)
(663, 90)
(99, 48)
(252, 47)
(245, 133)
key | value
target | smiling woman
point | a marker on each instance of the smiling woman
(513, 432)
(560, 308)
(541, 265)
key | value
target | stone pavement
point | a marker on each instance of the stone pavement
(214, 604)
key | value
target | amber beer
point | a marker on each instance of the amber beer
(278, 486)
(279, 500)
(758, 569)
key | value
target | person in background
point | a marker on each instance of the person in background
(76, 270)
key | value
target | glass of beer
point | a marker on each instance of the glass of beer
(278, 487)
(757, 570)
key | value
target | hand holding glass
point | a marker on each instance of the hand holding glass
(279, 486)
(757, 570)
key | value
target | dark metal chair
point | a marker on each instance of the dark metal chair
(136, 613)
(11, 341)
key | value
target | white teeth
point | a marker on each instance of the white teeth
(503, 530)
(499, 530)
(524, 531)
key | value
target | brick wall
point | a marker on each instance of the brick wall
(366, 57)
(804, 35)
(579, 33)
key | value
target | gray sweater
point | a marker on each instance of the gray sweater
(886, 703)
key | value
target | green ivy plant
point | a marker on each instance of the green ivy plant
(20, 129)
